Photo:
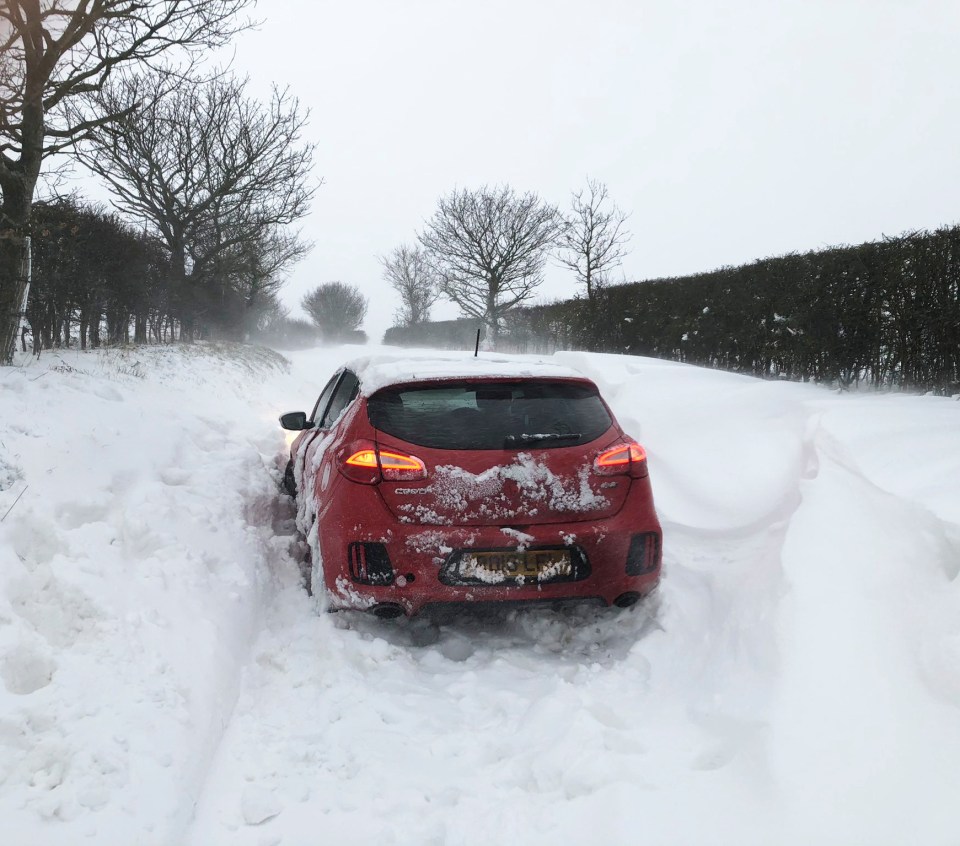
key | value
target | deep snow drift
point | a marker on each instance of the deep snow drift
(164, 680)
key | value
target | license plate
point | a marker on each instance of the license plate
(515, 566)
(531, 565)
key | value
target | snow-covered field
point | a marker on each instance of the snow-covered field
(164, 680)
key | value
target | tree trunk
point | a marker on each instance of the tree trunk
(17, 186)
(36, 331)
(140, 328)
(492, 318)
(14, 215)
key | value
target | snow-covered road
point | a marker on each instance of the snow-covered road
(166, 682)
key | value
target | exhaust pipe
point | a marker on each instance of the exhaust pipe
(387, 610)
(628, 599)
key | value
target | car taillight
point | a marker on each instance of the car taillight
(629, 458)
(369, 465)
(397, 467)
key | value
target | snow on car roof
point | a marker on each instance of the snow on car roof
(380, 371)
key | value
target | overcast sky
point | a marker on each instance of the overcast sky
(730, 131)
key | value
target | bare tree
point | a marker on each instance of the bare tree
(264, 272)
(243, 284)
(411, 276)
(51, 51)
(336, 308)
(211, 170)
(489, 248)
(593, 241)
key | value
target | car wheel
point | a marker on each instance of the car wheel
(289, 480)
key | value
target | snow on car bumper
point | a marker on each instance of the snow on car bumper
(414, 566)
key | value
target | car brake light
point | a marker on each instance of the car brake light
(366, 458)
(370, 465)
(629, 458)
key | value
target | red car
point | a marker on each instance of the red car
(454, 480)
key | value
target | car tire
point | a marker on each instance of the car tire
(289, 480)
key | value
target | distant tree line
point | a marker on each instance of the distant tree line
(884, 313)
(456, 334)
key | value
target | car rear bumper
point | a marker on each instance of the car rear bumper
(418, 556)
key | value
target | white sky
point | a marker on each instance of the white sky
(731, 131)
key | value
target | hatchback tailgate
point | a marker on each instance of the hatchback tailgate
(505, 487)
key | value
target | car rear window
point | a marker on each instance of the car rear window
(491, 415)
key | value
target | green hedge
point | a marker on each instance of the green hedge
(884, 313)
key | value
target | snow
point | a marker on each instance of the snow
(390, 368)
(165, 680)
(477, 496)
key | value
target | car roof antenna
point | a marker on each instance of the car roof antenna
(476, 349)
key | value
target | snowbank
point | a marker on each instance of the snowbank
(131, 574)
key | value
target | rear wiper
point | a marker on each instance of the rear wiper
(514, 440)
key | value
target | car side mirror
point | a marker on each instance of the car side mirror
(295, 421)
